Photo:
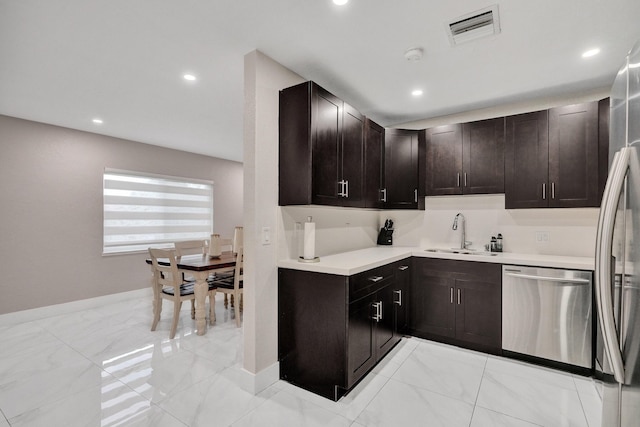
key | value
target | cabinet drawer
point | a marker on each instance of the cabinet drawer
(369, 281)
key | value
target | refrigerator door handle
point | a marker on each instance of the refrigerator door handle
(604, 242)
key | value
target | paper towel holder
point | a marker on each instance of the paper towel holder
(309, 233)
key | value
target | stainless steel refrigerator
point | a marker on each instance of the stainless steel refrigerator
(617, 272)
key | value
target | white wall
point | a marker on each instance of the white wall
(263, 79)
(51, 210)
(337, 229)
(571, 232)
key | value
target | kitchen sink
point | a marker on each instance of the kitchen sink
(462, 252)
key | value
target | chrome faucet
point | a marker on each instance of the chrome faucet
(463, 239)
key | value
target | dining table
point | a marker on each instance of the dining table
(200, 267)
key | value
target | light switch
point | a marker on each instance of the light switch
(266, 235)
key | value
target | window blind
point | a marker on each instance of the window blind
(144, 210)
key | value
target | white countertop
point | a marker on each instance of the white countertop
(353, 262)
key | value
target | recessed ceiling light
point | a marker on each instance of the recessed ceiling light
(417, 92)
(189, 77)
(591, 52)
(97, 121)
(340, 2)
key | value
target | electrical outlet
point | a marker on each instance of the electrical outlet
(542, 237)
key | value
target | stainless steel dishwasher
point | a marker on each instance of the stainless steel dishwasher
(547, 313)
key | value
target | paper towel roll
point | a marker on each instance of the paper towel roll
(309, 240)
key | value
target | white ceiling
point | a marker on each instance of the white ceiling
(65, 62)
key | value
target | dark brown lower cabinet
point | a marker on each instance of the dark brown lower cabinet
(402, 296)
(457, 302)
(333, 329)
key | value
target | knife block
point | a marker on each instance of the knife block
(385, 237)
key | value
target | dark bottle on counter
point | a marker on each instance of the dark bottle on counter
(499, 243)
(494, 244)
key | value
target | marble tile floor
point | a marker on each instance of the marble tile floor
(103, 367)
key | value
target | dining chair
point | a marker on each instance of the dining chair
(166, 280)
(233, 286)
(191, 247)
(238, 237)
(196, 247)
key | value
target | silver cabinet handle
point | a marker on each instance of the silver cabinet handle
(378, 306)
(458, 185)
(383, 197)
(403, 267)
(376, 279)
(465, 179)
(544, 191)
(451, 295)
(415, 195)
(458, 296)
(346, 186)
(548, 279)
(604, 239)
(553, 190)
(341, 188)
(399, 300)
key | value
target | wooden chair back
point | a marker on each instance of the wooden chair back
(238, 237)
(165, 275)
(191, 247)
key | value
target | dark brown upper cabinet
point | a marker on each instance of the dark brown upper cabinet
(444, 160)
(556, 158)
(526, 160)
(403, 164)
(573, 155)
(373, 164)
(321, 155)
(466, 158)
(483, 157)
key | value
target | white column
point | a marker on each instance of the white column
(263, 79)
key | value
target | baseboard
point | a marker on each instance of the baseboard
(255, 383)
(70, 307)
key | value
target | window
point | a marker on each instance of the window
(143, 210)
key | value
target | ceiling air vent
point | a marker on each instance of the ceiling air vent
(482, 23)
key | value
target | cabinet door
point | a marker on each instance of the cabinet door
(295, 150)
(326, 115)
(479, 311)
(401, 168)
(386, 336)
(361, 333)
(483, 157)
(432, 304)
(526, 160)
(573, 155)
(373, 164)
(444, 160)
(352, 156)
(401, 296)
